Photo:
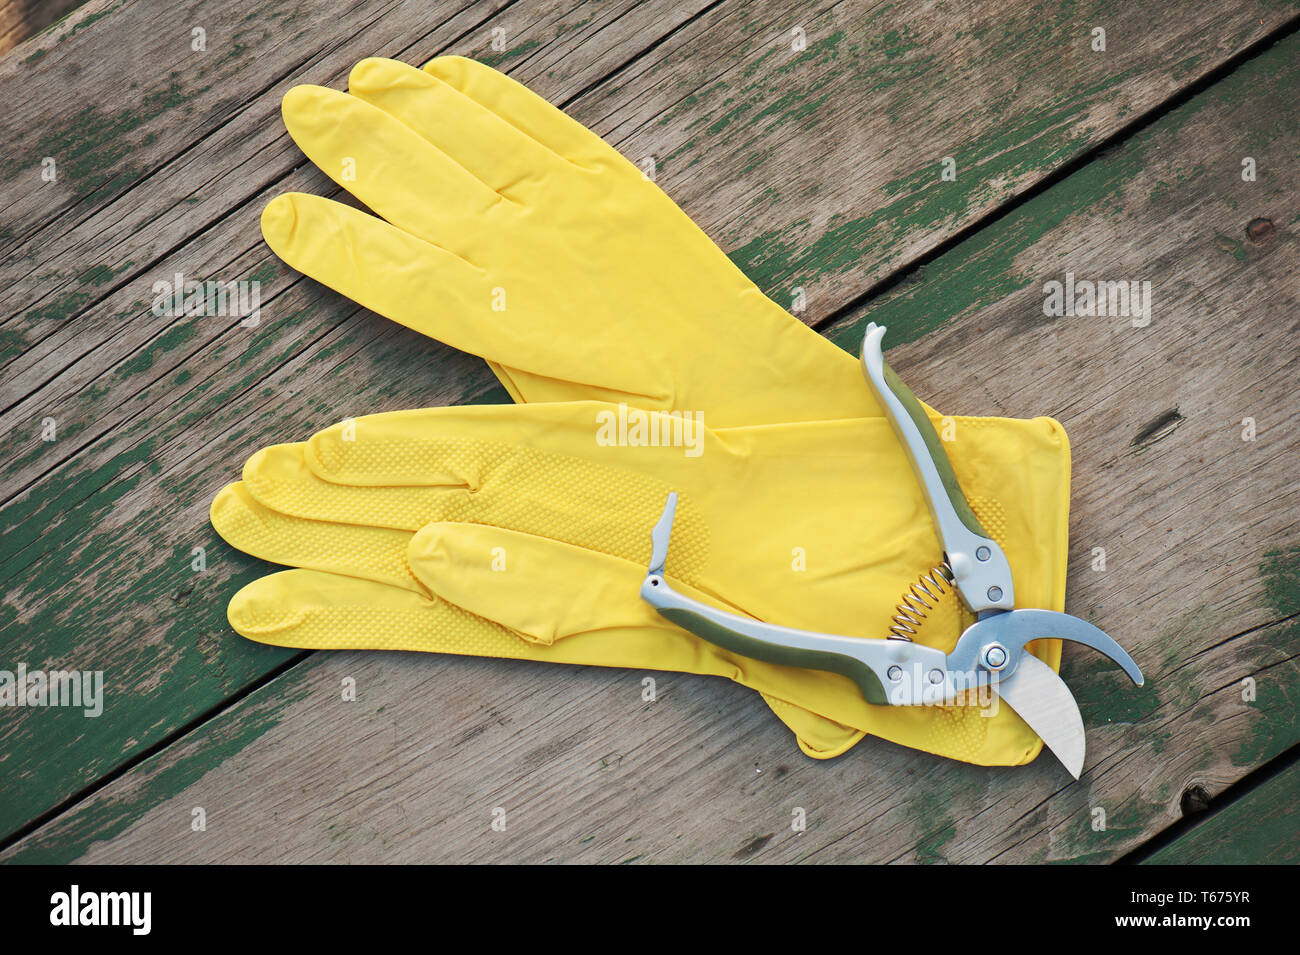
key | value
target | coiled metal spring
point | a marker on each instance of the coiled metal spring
(922, 596)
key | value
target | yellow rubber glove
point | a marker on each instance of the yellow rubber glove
(624, 296)
(584, 282)
(515, 532)
(512, 232)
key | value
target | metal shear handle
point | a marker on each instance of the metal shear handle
(914, 674)
(980, 569)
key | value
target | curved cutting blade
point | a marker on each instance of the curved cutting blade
(1016, 628)
(1033, 624)
(1045, 703)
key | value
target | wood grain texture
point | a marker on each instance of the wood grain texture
(1199, 528)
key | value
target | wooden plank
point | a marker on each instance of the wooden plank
(1198, 526)
(1260, 828)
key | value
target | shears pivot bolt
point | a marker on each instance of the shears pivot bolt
(994, 656)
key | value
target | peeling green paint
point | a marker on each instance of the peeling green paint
(61, 308)
(89, 145)
(1280, 572)
(86, 21)
(1259, 828)
(755, 65)
(496, 59)
(1234, 247)
(265, 273)
(57, 548)
(101, 274)
(1277, 690)
(12, 343)
(173, 338)
(1085, 845)
(68, 304)
(924, 203)
(987, 169)
(1106, 696)
(933, 822)
(164, 776)
(981, 270)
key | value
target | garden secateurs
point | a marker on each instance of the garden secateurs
(989, 656)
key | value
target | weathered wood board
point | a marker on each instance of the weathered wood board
(1260, 829)
(1198, 525)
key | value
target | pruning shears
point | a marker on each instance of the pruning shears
(897, 671)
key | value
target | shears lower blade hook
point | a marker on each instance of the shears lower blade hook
(1016, 628)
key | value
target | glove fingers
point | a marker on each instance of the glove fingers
(486, 468)
(556, 593)
(372, 553)
(314, 610)
(317, 611)
(396, 172)
(380, 267)
(666, 340)
(544, 588)
(571, 488)
(443, 296)
(489, 147)
(462, 444)
(526, 111)
(438, 294)
(285, 512)
(551, 592)
(279, 479)
(545, 470)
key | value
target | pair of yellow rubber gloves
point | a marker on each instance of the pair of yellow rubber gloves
(505, 228)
